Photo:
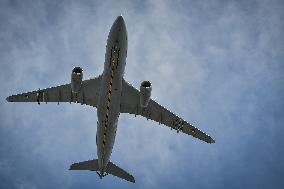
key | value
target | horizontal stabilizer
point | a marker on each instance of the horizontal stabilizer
(117, 171)
(91, 165)
(111, 168)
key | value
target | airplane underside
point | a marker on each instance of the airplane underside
(111, 95)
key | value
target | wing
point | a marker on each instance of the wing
(88, 94)
(130, 103)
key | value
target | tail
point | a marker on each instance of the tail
(111, 168)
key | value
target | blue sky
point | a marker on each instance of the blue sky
(218, 64)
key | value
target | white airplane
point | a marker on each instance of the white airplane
(111, 95)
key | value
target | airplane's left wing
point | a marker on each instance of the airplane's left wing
(130, 103)
(88, 94)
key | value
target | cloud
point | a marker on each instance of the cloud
(217, 64)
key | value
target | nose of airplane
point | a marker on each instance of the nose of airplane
(120, 21)
(118, 29)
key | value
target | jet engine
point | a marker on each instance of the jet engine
(76, 79)
(145, 93)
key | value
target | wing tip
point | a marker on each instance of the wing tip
(132, 180)
(212, 140)
(72, 167)
(8, 99)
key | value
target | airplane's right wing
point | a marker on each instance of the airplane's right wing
(88, 94)
(130, 103)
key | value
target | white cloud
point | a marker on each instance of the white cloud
(207, 62)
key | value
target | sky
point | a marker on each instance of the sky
(218, 64)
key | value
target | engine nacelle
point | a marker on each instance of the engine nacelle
(145, 93)
(76, 79)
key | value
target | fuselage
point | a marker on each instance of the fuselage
(110, 93)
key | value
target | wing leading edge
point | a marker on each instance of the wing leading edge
(130, 103)
(88, 94)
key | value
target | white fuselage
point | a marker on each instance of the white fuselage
(110, 92)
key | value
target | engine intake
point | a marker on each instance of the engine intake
(145, 93)
(76, 79)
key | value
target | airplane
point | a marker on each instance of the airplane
(111, 95)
